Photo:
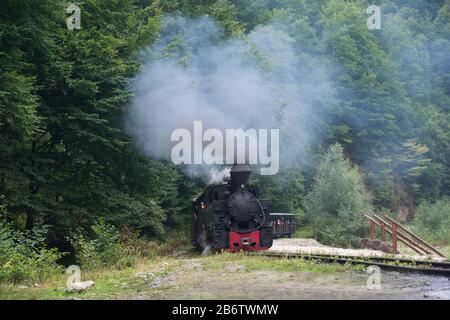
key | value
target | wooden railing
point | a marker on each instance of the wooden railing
(399, 233)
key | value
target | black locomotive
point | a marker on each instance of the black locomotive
(232, 216)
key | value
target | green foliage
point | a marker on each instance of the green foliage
(24, 257)
(224, 11)
(337, 201)
(66, 161)
(65, 156)
(104, 248)
(285, 191)
(432, 221)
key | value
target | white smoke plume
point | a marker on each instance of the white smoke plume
(218, 176)
(259, 81)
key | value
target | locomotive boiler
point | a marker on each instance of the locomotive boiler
(232, 216)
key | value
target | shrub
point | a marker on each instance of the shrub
(146, 248)
(337, 201)
(24, 256)
(432, 221)
(103, 249)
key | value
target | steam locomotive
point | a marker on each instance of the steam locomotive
(232, 216)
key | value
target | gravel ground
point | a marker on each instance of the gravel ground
(234, 281)
(311, 246)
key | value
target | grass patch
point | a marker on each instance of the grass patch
(116, 284)
(110, 283)
(254, 262)
(446, 251)
(305, 232)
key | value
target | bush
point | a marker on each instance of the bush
(103, 249)
(24, 256)
(140, 247)
(335, 206)
(432, 221)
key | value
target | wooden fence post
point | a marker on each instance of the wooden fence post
(383, 232)
(372, 230)
(394, 237)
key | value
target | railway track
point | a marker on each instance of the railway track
(386, 263)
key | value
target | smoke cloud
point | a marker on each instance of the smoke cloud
(258, 81)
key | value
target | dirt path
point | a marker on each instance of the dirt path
(206, 279)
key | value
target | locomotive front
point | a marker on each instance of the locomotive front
(232, 216)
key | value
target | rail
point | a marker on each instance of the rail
(388, 263)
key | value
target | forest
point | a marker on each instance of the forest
(364, 117)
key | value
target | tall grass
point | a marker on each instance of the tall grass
(432, 221)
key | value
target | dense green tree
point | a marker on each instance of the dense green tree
(337, 201)
(65, 159)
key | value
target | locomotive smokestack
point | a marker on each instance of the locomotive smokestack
(240, 173)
